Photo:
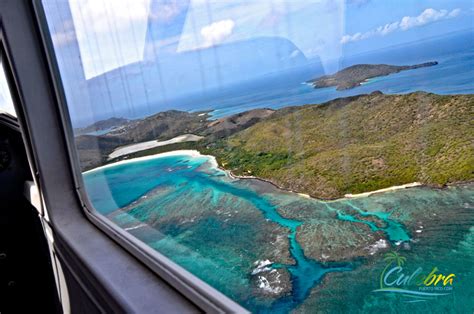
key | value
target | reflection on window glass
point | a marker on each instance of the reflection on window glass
(6, 101)
(308, 156)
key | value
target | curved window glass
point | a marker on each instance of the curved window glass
(298, 156)
(6, 101)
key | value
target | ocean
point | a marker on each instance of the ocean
(261, 246)
(278, 252)
(453, 75)
(278, 89)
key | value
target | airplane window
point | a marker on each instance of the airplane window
(298, 156)
(6, 102)
(6, 107)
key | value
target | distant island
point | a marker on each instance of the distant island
(348, 145)
(103, 125)
(355, 75)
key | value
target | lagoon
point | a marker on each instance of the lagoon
(179, 201)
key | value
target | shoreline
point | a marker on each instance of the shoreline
(212, 159)
(235, 176)
(389, 189)
(184, 152)
(138, 147)
(305, 195)
(346, 196)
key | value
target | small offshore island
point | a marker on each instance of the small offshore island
(355, 75)
(282, 182)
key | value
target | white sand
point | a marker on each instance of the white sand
(133, 148)
(213, 161)
(184, 152)
(392, 188)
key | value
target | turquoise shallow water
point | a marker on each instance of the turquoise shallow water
(220, 228)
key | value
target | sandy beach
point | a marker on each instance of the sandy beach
(392, 188)
(213, 161)
(184, 152)
(133, 148)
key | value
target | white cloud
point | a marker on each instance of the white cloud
(427, 16)
(293, 20)
(407, 22)
(387, 28)
(217, 32)
(454, 12)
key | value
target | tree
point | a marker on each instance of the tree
(391, 258)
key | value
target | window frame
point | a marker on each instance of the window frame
(201, 293)
(110, 255)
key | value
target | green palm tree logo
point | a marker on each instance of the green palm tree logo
(391, 258)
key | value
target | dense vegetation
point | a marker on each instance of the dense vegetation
(94, 150)
(358, 144)
(348, 145)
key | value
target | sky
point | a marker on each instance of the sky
(115, 33)
(119, 55)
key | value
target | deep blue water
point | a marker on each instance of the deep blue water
(453, 75)
(147, 96)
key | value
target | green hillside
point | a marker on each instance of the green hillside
(358, 144)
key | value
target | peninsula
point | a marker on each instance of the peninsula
(357, 144)
(355, 75)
